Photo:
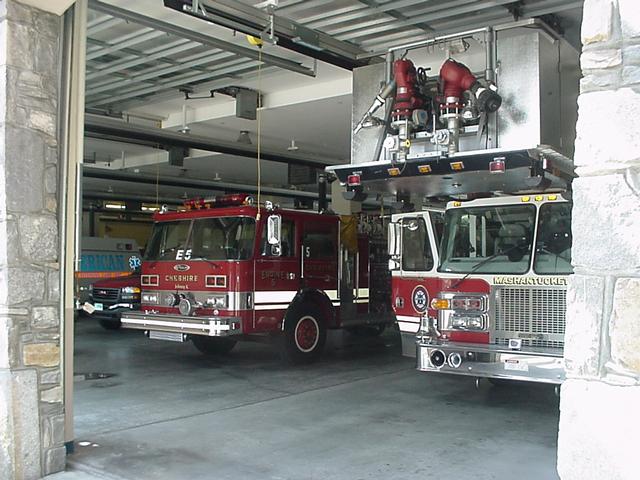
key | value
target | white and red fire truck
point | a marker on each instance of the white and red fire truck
(219, 272)
(484, 287)
(491, 302)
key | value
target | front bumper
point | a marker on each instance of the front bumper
(543, 365)
(208, 326)
(115, 311)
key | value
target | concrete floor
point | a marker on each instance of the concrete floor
(362, 412)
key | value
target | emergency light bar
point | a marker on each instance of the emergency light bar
(231, 200)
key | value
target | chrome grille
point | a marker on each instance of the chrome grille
(105, 294)
(532, 343)
(536, 313)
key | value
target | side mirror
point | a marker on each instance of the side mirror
(393, 239)
(274, 230)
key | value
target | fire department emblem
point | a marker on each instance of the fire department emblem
(181, 267)
(420, 299)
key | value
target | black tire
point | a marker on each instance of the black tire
(213, 345)
(304, 336)
(110, 324)
(367, 330)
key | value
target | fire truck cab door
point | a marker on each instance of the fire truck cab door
(319, 263)
(422, 232)
(277, 276)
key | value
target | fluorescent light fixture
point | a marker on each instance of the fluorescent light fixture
(115, 206)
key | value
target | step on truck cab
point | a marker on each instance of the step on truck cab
(224, 270)
(500, 310)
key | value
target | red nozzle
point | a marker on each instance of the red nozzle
(407, 96)
(455, 78)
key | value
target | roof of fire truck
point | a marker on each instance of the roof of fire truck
(536, 169)
(229, 206)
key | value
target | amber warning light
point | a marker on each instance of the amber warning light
(497, 165)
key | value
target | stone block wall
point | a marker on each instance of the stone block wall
(599, 406)
(31, 394)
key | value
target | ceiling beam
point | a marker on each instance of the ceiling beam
(170, 93)
(238, 67)
(442, 14)
(115, 129)
(291, 35)
(190, 64)
(201, 38)
(191, 183)
(155, 56)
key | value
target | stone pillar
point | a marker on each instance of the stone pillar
(600, 401)
(31, 408)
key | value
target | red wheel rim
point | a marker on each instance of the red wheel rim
(307, 334)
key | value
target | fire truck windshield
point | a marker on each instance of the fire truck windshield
(490, 239)
(218, 238)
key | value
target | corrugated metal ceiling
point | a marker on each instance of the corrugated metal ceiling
(133, 58)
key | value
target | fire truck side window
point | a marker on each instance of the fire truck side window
(553, 245)
(416, 250)
(320, 244)
(287, 240)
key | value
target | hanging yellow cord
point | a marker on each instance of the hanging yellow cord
(158, 178)
(259, 126)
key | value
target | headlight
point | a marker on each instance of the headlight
(150, 298)
(467, 322)
(217, 301)
(131, 290)
(460, 302)
(170, 299)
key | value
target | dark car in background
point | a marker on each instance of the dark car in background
(109, 298)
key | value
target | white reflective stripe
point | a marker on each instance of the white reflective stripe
(332, 294)
(275, 296)
(406, 318)
(336, 304)
(362, 300)
(274, 306)
(211, 326)
(409, 327)
(363, 292)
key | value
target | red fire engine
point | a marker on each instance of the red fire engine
(224, 270)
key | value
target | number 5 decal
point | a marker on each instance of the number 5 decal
(183, 254)
(307, 252)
